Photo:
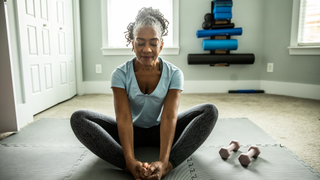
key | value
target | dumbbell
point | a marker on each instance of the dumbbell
(225, 152)
(208, 17)
(245, 158)
(206, 25)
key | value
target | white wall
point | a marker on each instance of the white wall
(266, 33)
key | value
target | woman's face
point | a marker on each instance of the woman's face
(147, 45)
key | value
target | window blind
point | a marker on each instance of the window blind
(309, 23)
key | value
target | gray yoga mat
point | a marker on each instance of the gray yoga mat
(45, 132)
(38, 162)
(240, 129)
(274, 162)
(47, 149)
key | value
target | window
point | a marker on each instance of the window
(305, 18)
(116, 17)
(309, 23)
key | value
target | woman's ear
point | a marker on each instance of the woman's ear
(162, 43)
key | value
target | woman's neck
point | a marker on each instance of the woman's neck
(154, 66)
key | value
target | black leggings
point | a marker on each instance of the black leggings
(99, 133)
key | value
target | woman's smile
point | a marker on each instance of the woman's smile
(147, 57)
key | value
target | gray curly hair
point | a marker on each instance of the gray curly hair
(148, 17)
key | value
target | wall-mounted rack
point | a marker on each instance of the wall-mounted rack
(218, 27)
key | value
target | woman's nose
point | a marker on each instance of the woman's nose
(147, 48)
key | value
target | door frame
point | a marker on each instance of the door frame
(77, 47)
(23, 107)
(8, 111)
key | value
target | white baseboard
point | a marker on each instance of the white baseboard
(270, 87)
(97, 87)
(218, 86)
(309, 91)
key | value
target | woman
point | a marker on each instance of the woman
(146, 93)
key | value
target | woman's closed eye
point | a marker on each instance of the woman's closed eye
(143, 44)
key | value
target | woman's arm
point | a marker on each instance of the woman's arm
(168, 123)
(125, 129)
(167, 130)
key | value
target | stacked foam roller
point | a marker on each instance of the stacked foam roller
(218, 27)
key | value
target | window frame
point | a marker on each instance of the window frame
(294, 48)
(111, 51)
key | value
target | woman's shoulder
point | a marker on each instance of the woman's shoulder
(120, 75)
(125, 67)
(170, 66)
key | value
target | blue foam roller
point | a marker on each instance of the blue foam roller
(220, 0)
(223, 16)
(247, 91)
(225, 2)
(222, 10)
(219, 32)
(223, 5)
(217, 44)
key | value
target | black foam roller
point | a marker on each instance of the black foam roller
(221, 59)
(222, 26)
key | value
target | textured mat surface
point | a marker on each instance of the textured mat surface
(47, 149)
(240, 129)
(38, 162)
(45, 132)
(274, 162)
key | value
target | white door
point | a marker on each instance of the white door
(43, 48)
(65, 54)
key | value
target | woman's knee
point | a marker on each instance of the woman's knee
(210, 114)
(210, 109)
(78, 114)
(77, 117)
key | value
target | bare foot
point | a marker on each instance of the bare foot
(168, 169)
(137, 169)
(144, 171)
(158, 170)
